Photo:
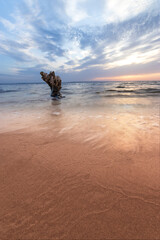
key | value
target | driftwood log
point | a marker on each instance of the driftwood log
(54, 83)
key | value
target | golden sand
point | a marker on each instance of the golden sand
(58, 185)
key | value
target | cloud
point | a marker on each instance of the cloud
(74, 10)
(120, 11)
(79, 37)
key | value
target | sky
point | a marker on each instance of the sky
(81, 40)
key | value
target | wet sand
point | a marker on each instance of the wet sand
(60, 187)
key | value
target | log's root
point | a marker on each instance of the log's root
(54, 83)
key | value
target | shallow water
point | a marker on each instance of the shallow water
(95, 112)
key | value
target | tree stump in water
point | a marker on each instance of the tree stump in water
(54, 83)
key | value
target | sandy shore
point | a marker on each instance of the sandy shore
(58, 188)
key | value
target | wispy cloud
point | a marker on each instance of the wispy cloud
(77, 38)
(122, 10)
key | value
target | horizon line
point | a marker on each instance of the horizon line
(91, 81)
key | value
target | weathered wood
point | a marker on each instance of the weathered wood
(54, 83)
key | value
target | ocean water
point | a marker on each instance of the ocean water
(94, 111)
(79, 94)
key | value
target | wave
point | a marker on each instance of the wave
(120, 87)
(7, 91)
(151, 90)
(123, 91)
(130, 96)
(132, 91)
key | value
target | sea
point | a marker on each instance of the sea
(92, 110)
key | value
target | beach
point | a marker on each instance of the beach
(84, 167)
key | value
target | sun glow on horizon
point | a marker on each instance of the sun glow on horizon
(136, 77)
